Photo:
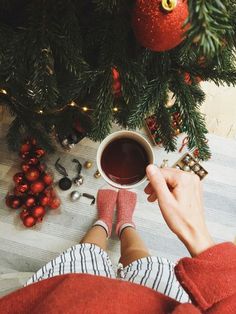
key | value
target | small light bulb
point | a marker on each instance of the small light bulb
(85, 109)
(41, 111)
(115, 109)
(3, 91)
(72, 104)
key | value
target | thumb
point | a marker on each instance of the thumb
(158, 183)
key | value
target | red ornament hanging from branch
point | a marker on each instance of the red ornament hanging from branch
(158, 24)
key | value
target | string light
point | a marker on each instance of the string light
(115, 109)
(3, 91)
(72, 104)
(41, 111)
(85, 109)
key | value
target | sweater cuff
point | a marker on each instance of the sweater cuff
(209, 277)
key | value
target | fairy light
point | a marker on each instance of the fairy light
(85, 108)
(72, 104)
(3, 91)
(115, 109)
(40, 111)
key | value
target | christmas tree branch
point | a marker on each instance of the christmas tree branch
(210, 23)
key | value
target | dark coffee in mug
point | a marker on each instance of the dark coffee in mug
(124, 161)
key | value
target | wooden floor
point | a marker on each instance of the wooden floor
(26, 250)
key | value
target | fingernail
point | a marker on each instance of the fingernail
(151, 170)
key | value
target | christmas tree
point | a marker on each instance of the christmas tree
(85, 64)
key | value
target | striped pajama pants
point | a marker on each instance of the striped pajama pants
(153, 272)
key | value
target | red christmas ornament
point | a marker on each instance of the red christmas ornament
(29, 221)
(38, 212)
(32, 161)
(37, 187)
(13, 201)
(158, 24)
(30, 201)
(44, 199)
(25, 166)
(47, 178)
(39, 152)
(18, 177)
(22, 187)
(24, 213)
(32, 174)
(17, 193)
(25, 148)
(55, 203)
(116, 85)
(188, 80)
(115, 74)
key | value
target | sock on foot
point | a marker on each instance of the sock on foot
(126, 202)
(106, 202)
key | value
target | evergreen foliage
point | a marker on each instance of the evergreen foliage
(54, 52)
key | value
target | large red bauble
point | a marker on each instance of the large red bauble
(55, 203)
(18, 177)
(39, 152)
(47, 178)
(22, 187)
(13, 201)
(25, 166)
(44, 199)
(29, 221)
(30, 201)
(25, 148)
(23, 214)
(159, 29)
(38, 212)
(37, 187)
(32, 174)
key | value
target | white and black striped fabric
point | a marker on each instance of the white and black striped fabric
(153, 272)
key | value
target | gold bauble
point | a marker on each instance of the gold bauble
(88, 164)
(97, 174)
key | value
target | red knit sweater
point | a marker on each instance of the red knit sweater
(209, 278)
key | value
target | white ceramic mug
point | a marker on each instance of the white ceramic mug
(124, 134)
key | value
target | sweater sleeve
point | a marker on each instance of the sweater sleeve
(210, 277)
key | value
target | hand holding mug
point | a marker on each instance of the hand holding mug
(179, 195)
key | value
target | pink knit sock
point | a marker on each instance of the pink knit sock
(126, 202)
(106, 202)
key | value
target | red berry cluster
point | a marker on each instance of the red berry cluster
(33, 189)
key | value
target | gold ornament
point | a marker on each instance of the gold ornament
(169, 5)
(97, 174)
(88, 164)
(192, 163)
(177, 131)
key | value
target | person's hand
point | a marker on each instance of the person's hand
(179, 195)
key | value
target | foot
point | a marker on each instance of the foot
(106, 202)
(126, 202)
